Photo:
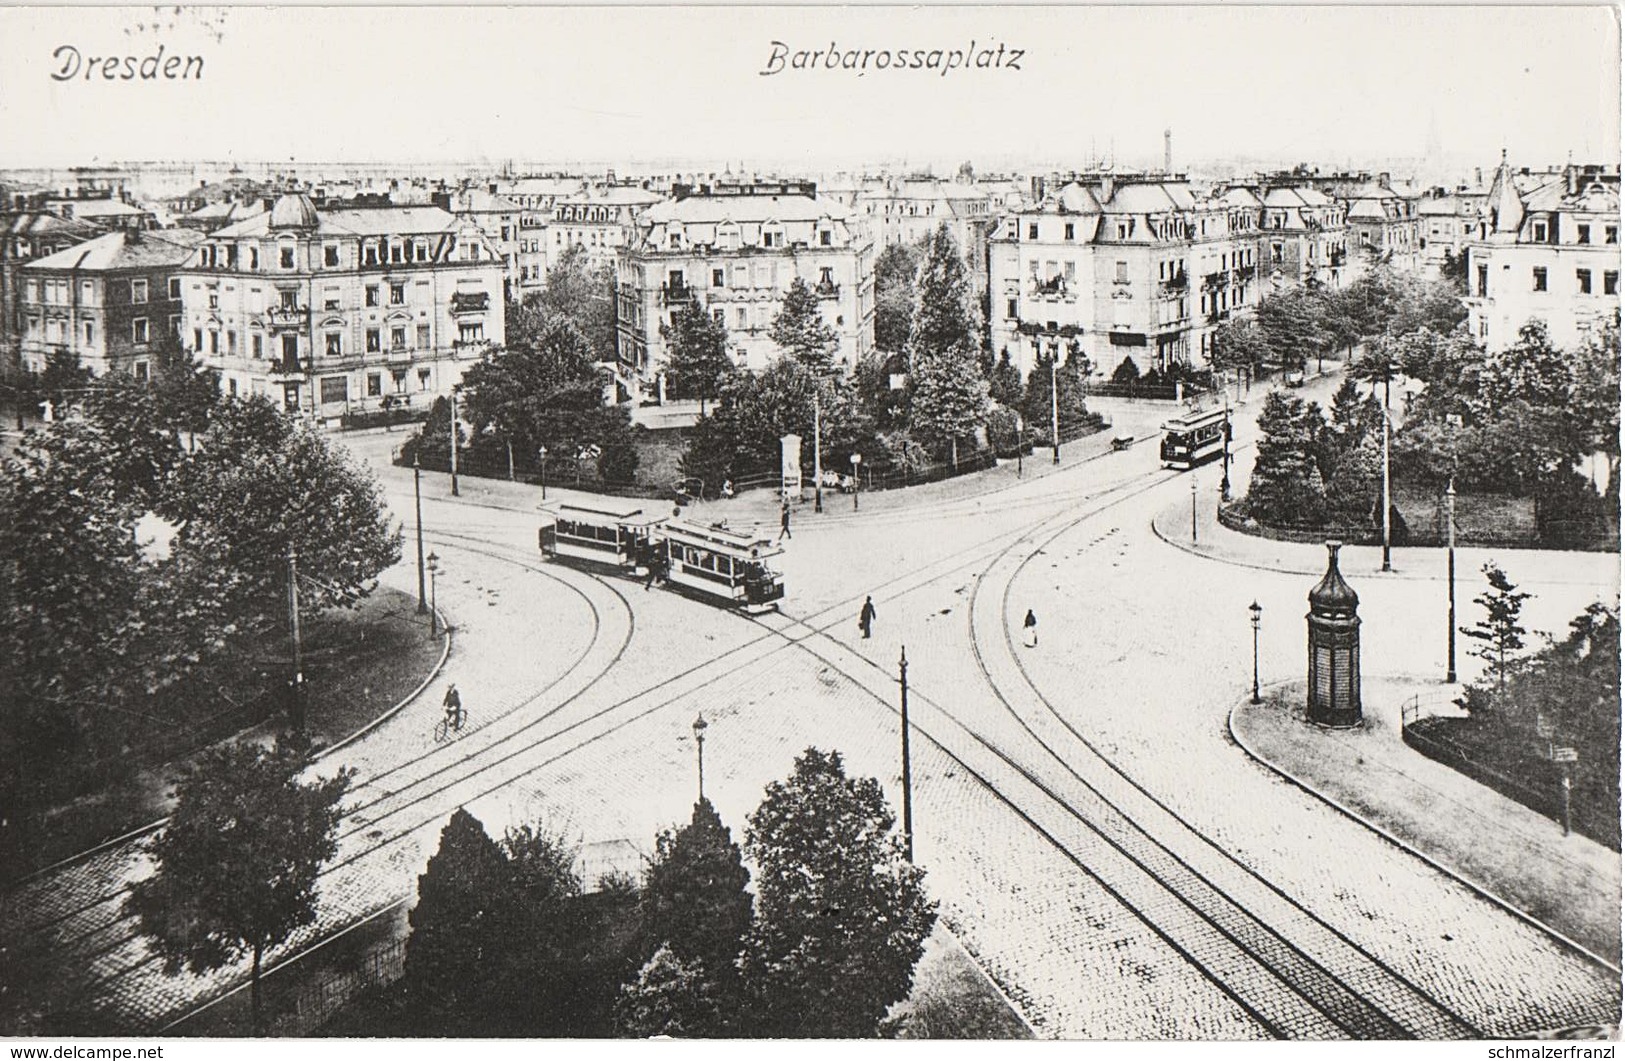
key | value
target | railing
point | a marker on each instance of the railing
(286, 318)
(674, 294)
(472, 302)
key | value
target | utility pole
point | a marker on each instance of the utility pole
(1450, 572)
(699, 750)
(818, 457)
(1387, 501)
(296, 708)
(1020, 438)
(1054, 410)
(417, 505)
(908, 769)
(454, 442)
(1193, 508)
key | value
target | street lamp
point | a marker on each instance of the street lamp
(1387, 500)
(1054, 409)
(1193, 508)
(1224, 482)
(857, 459)
(1258, 616)
(434, 605)
(417, 505)
(699, 749)
(542, 456)
(1019, 440)
(1450, 552)
(454, 442)
(818, 448)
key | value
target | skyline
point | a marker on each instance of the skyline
(685, 85)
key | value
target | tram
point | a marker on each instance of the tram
(619, 536)
(725, 565)
(1195, 437)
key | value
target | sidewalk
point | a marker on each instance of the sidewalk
(1215, 541)
(1498, 847)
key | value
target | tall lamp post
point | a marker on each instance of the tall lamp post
(541, 453)
(1193, 508)
(857, 459)
(434, 603)
(1020, 440)
(699, 750)
(454, 442)
(818, 448)
(417, 505)
(1054, 410)
(1450, 569)
(1224, 482)
(1258, 617)
(1387, 500)
(908, 769)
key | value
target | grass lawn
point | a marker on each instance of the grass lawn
(359, 663)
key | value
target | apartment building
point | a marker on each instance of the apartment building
(27, 234)
(333, 310)
(1303, 236)
(736, 247)
(909, 210)
(110, 300)
(1551, 253)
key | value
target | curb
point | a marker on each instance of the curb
(1252, 753)
(152, 827)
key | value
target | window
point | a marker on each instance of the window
(1010, 308)
(231, 342)
(471, 331)
(423, 337)
(174, 287)
(1540, 278)
(397, 294)
(335, 389)
(421, 250)
(1582, 234)
(285, 256)
(197, 338)
(175, 325)
(142, 371)
(214, 300)
(1583, 276)
(716, 277)
(397, 338)
(395, 253)
(741, 320)
(1032, 230)
(231, 385)
(90, 333)
(825, 238)
(1276, 250)
(1540, 231)
(423, 380)
(290, 351)
(1070, 230)
(374, 343)
(214, 342)
(289, 297)
(1610, 282)
(1610, 234)
(335, 344)
(375, 385)
(1122, 272)
(87, 293)
(330, 298)
(1483, 281)
(398, 377)
(369, 254)
(330, 256)
(257, 345)
(719, 316)
(253, 259)
(372, 294)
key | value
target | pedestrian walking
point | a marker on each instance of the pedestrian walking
(866, 617)
(1029, 630)
(784, 520)
(454, 707)
(654, 573)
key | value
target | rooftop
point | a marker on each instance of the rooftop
(125, 250)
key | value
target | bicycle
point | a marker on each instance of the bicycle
(444, 729)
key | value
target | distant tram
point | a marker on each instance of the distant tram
(727, 566)
(1196, 437)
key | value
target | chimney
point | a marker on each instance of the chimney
(1168, 151)
(1478, 176)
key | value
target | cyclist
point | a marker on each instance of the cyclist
(454, 708)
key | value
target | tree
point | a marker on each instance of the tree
(694, 900)
(1239, 346)
(669, 997)
(186, 391)
(801, 331)
(1499, 631)
(1072, 410)
(945, 322)
(576, 291)
(949, 400)
(1286, 486)
(697, 345)
(461, 927)
(842, 916)
(236, 866)
(1004, 382)
(64, 380)
(895, 273)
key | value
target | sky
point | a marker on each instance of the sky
(649, 85)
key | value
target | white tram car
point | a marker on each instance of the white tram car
(1194, 438)
(617, 536)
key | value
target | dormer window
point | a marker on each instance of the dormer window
(1540, 231)
(285, 257)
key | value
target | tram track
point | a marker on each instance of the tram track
(379, 840)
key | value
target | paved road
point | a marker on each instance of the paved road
(1119, 866)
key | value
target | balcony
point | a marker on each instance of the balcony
(287, 318)
(675, 294)
(470, 302)
(284, 371)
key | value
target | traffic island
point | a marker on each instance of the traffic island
(1567, 885)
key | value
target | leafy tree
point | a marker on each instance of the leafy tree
(694, 899)
(801, 331)
(945, 315)
(872, 387)
(841, 915)
(895, 272)
(1072, 410)
(461, 928)
(1239, 345)
(237, 863)
(1127, 371)
(698, 353)
(669, 997)
(64, 380)
(1499, 631)
(1286, 486)
(185, 390)
(576, 291)
(142, 452)
(1453, 271)
(1291, 329)
(949, 400)
(1595, 398)
(1004, 383)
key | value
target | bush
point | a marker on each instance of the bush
(1127, 372)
